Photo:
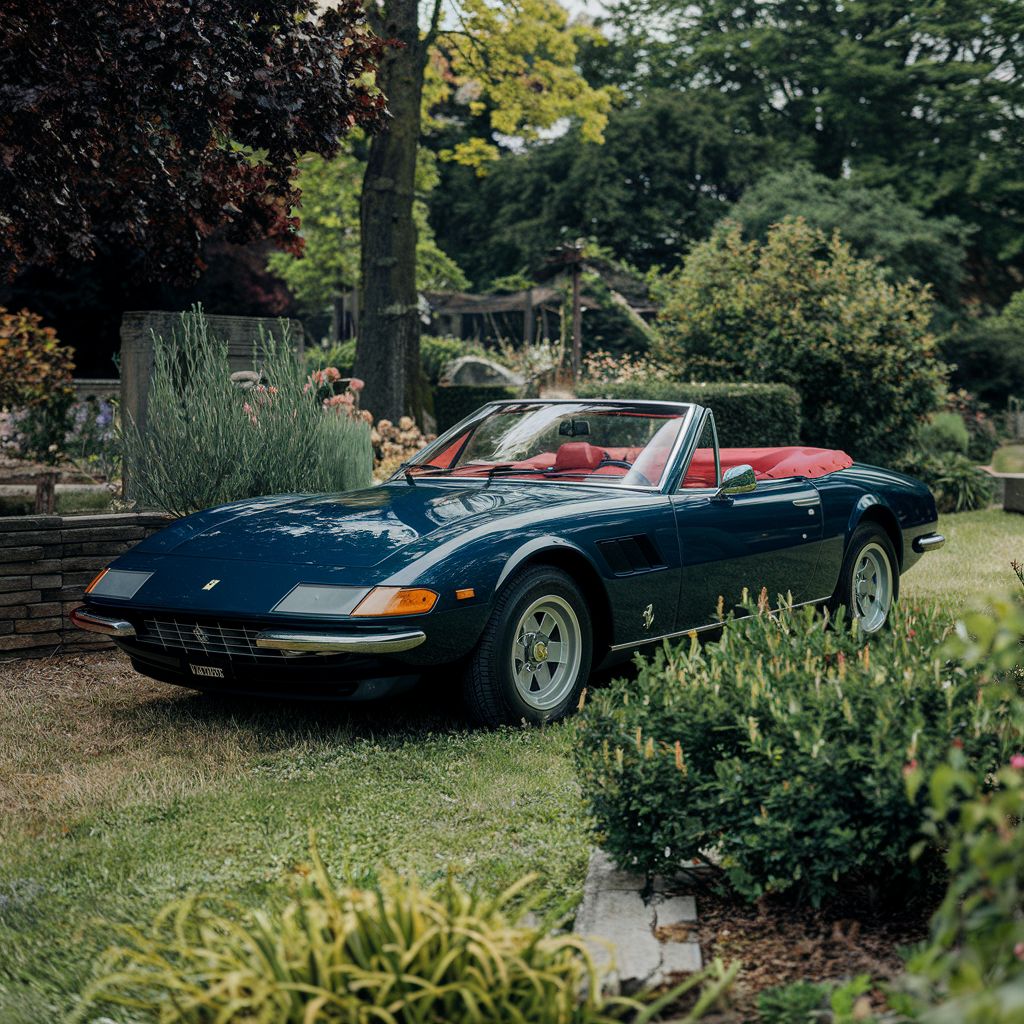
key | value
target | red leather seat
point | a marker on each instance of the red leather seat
(578, 455)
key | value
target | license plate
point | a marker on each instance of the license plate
(207, 671)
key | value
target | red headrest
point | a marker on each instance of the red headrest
(578, 455)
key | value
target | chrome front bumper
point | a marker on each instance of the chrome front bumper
(928, 542)
(293, 641)
(100, 624)
(331, 643)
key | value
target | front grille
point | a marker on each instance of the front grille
(209, 639)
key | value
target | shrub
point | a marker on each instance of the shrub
(746, 415)
(35, 380)
(345, 955)
(782, 749)
(801, 309)
(944, 432)
(981, 428)
(987, 358)
(206, 442)
(972, 970)
(956, 482)
(34, 367)
(435, 355)
(454, 402)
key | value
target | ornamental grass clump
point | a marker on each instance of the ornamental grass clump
(207, 442)
(781, 750)
(347, 956)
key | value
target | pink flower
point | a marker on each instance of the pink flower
(1018, 951)
(910, 766)
(959, 744)
(355, 384)
(1017, 761)
(332, 373)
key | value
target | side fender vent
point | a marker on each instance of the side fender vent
(626, 555)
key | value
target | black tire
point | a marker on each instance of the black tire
(868, 540)
(490, 689)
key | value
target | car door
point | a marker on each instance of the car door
(769, 537)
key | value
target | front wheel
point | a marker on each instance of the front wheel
(534, 656)
(869, 580)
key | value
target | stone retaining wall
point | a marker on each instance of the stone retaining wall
(46, 562)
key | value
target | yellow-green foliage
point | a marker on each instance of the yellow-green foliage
(34, 367)
(801, 309)
(519, 63)
(397, 955)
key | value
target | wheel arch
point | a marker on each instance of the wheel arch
(560, 554)
(871, 509)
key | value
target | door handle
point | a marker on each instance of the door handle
(807, 502)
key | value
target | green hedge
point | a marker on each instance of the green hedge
(784, 748)
(454, 402)
(746, 415)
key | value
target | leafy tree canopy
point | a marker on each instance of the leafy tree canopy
(923, 95)
(515, 64)
(145, 125)
(329, 215)
(802, 309)
(875, 222)
(670, 167)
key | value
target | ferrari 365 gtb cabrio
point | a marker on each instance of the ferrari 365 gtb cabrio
(532, 542)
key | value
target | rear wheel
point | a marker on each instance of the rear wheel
(535, 653)
(869, 581)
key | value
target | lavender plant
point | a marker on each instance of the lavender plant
(206, 442)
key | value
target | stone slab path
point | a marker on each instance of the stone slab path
(645, 942)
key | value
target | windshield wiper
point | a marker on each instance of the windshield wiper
(428, 470)
(510, 469)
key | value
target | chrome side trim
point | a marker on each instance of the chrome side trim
(326, 643)
(99, 624)
(929, 542)
(802, 502)
(633, 644)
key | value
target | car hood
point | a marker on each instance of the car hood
(355, 529)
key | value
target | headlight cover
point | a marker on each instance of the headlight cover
(122, 584)
(319, 599)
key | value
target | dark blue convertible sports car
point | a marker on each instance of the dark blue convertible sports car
(532, 542)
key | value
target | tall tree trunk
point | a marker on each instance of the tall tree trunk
(388, 347)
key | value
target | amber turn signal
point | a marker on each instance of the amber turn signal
(396, 601)
(465, 594)
(96, 579)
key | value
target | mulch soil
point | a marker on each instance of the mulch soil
(779, 944)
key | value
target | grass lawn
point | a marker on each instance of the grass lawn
(117, 794)
(975, 560)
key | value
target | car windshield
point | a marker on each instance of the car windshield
(620, 445)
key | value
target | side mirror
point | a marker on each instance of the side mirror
(737, 480)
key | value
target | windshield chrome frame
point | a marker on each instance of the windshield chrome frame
(691, 414)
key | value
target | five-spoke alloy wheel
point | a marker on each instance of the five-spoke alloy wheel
(535, 654)
(869, 580)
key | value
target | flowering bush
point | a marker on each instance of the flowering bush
(782, 749)
(601, 367)
(395, 443)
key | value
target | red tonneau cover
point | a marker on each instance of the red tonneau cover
(767, 463)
